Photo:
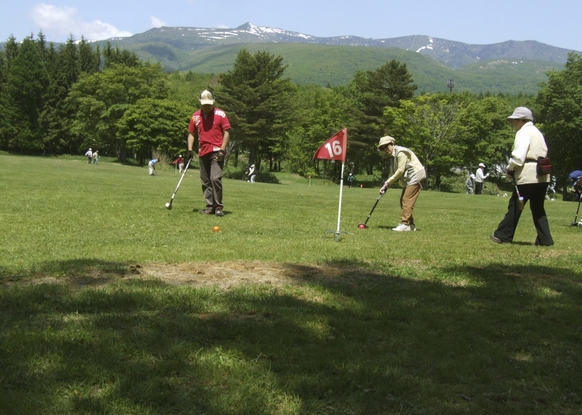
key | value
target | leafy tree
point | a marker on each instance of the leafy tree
(186, 87)
(155, 125)
(430, 126)
(23, 97)
(560, 113)
(101, 100)
(319, 112)
(487, 136)
(256, 97)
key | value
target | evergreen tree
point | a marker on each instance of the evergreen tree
(115, 56)
(256, 97)
(373, 91)
(89, 59)
(25, 89)
(57, 115)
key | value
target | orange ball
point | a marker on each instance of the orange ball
(216, 229)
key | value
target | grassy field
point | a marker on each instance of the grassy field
(103, 309)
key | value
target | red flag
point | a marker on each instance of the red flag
(334, 148)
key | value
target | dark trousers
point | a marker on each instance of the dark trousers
(478, 188)
(211, 179)
(535, 194)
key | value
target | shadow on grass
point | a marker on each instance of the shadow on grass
(357, 340)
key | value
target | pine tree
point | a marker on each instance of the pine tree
(26, 86)
(256, 96)
(57, 114)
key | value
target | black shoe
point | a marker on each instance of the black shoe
(497, 240)
(207, 211)
(219, 212)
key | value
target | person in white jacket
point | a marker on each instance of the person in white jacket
(480, 177)
(529, 144)
(408, 168)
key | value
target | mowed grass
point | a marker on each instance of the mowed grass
(438, 321)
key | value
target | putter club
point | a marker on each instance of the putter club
(169, 205)
(521, 204)
(575, 223)
(365, 224)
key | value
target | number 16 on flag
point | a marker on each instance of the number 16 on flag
(334, 148)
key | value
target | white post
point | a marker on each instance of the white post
(339, 211)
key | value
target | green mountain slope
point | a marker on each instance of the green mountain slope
(336, 65)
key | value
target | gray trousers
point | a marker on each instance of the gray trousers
(211, 180)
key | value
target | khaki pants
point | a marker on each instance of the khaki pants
(407, 200)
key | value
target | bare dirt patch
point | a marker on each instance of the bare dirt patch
(234, 273)
(225, 275)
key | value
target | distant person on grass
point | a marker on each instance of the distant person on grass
(529, 144)
(470, 184)
(210, 127)
(179, 163)
(351, 179)
(152, 166)
(408, 168)
(95, 157)
(251, 173)
(575, 183)
(480, 177)
(89, 155)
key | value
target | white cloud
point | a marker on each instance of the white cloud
(64, 21)
(157, 22)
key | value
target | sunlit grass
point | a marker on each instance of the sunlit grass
(435, 321)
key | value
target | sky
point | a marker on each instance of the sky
(556, 23)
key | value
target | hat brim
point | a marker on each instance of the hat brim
(206, 102)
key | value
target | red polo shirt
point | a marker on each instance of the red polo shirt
(210, 129)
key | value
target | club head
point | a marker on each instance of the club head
(574, 224)
(169, 206)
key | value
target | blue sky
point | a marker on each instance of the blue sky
(556, 23)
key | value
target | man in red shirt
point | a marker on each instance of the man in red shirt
(210, 126)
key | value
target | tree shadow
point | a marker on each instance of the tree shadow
(347, 338)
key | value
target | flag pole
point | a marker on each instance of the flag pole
(339, 210)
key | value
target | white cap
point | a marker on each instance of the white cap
(206, 98)
(481, 165)
(521, 113)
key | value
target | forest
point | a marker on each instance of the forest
(63, 99)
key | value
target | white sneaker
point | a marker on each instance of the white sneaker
(402, 228)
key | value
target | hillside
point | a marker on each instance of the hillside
(336, 65)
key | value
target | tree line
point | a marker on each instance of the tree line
(63, 99)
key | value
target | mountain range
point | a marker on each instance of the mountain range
(453, 54)
(510, 67)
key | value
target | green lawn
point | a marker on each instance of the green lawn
(438, 321)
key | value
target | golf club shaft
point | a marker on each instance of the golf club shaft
(519, 198)
(374, 207)
(180, 181)
(577, 210)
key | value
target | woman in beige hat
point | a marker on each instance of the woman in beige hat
(408, 168)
